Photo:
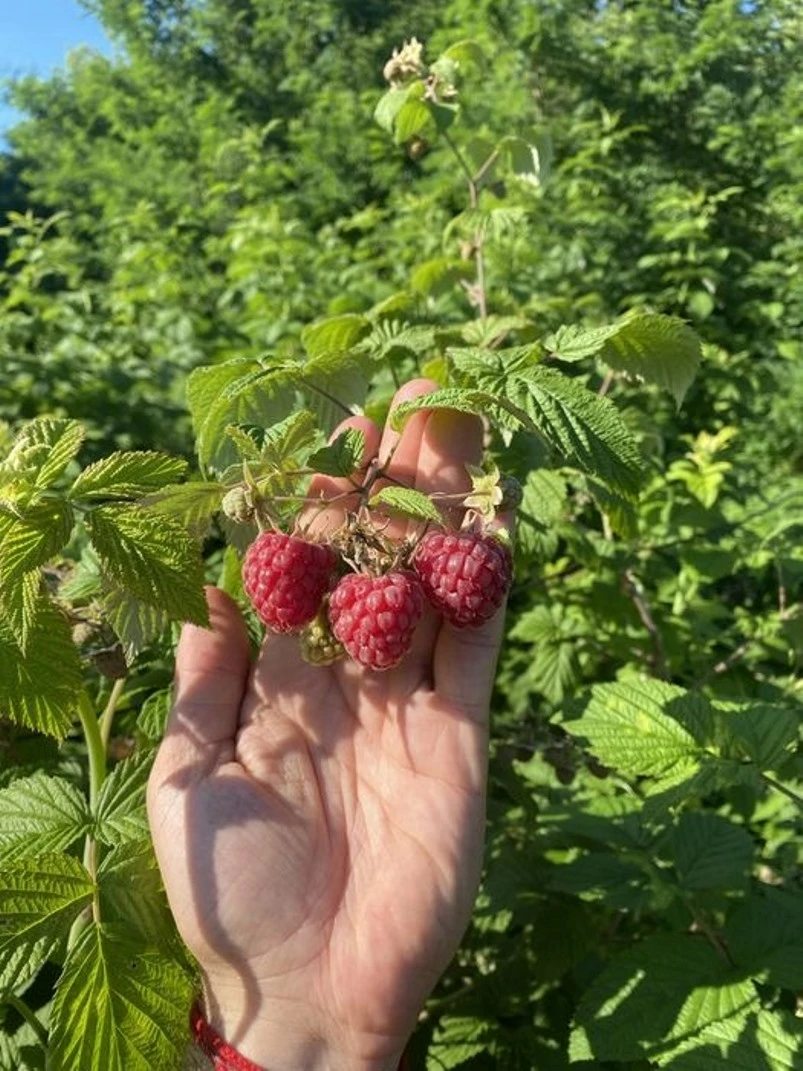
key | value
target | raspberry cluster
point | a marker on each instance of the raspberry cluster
(299, 586)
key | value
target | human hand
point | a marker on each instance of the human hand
(320, 829)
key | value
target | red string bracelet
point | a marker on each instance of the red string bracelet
(209, 1041)
(224, 1056)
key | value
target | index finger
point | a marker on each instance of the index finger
(464, 663)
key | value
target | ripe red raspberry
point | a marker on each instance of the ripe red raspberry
(465, 576)
(286, 578)
(374, 617)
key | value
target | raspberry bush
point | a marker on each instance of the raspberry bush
(641, 900)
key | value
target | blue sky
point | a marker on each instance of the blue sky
(35, 37)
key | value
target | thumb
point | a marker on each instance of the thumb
(212, 668)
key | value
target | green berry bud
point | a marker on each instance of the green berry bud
(237, 505)
(318, 645)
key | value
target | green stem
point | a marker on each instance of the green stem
(708, 931)
(94, 746)
(783, 788)
(107, 717)
(96, 734)
(29, 1016)
(474, 200)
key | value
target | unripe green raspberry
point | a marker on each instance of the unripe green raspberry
(318, 645)
(237, 505)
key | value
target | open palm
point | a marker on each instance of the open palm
(320, 830)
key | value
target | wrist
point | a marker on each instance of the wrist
(282, 1035)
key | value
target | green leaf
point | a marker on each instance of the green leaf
(553, 669)
(657, 348)
(575, 342)
(643, 727)
(11, 1058)
(333, 384)
(120, 1005)
(231, 575)
(711, 853)
(493, 329)
(528, 160)
(153, 716)
(543, 503)
(29, 539)
(40, 815)
(283, 442)
(193, 504)
(152, 558)
(438, 276)
(466, 53)
(493, 225)
(32, 536)
(130, 892)
(443, 112)
(31, 693)
(334, 334)
(42, 451)
(342, 457)
(664, 989)
(414, 119)
(762, 732)
(462, 400)
(84, 581)
(604, 877)
(214, 404)
(761, 1041)
(584, 429)
(456, 1040)
(248, 440)
(392, 339)
(19, 602)
(136, 624)
(408, 502)
(128, 475)
(620, 512)
(388, 107)
(693, 781)
(266, 392)
(764, 936)
(120, 809)
(39, 901)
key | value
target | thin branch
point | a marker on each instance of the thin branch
(635, 592)
(781, 588)
(447, 137)
(783, 788)
(605, 385)
(30, 1017)
(477, 243)
(705, 928)
(735, 656)
(738, 653)
(485, 168)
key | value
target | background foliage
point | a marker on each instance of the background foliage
(220, 186)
